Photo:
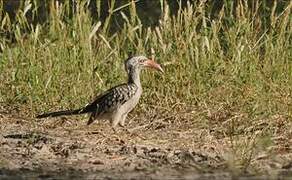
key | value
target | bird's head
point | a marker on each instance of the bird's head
(140, 62)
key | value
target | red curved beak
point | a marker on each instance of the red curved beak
(152, 64)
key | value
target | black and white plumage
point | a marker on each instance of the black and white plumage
(115, 103)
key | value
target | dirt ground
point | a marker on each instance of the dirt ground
(152, 148)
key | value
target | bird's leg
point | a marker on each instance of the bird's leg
(122, 123)
(122, 120)
(119, 120)
(115, 122)
(91, 118)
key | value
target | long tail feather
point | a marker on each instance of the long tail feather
(61, 113)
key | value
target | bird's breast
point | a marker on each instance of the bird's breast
(132, 102)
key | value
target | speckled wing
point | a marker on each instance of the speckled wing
(111, 99)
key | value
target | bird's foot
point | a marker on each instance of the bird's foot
(122, 124)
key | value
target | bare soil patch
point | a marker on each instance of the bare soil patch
(152, 148)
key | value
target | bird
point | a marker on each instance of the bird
(115, 103)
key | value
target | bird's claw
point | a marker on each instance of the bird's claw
(121, 124)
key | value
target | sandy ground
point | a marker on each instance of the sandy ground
(153, 148)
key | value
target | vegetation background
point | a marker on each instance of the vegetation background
(227, 63)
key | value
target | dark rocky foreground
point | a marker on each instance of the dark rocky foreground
(70, 174)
